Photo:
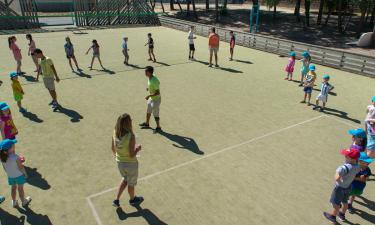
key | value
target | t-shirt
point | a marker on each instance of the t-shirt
(124, 45)
(326, 87)
(310, 78)
(16, 86)
(213, 40)
(122, 148)
(95, 49)
(10, 130)
(232, 42)
(46, 66)
(11, 166)
(191, 37)
(371, 112)
(150, 42)
(16, 51)
(153, 86)
(347, 172)
(69, 49)
(32, 47)
(359, 185)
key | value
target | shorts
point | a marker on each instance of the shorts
(191, 47)
(153, 106)
(370, 142)
(125, 52)
(69, 56)
(49, 83)
(307, 90)
(151, 47)
(356, 192)
(213, 50)
(21, 180)
(18, 97)
(340, 195)
(322, 98)
(129, 171)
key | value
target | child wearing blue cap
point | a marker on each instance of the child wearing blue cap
(7, 127)
(359, 183)
(308, 84)
(359, 139)
(15, 170)
(17, 91)
(370, 129)
(305, 66)
(323, 95)
(289, 68)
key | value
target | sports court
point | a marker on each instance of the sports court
(237, 146)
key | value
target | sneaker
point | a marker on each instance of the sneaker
(26, 202)
(350, 209)
(2, 199)
(15, 203)
(341, 216)
(330, 217)
(321, 109)
(50, 103)
(285, 78)
(210, 65)
(157, 130)
(144, 125)
(300, 85)
(308, 104)
(315, 107)
(303, 101)
(116, 203)
(23, 110)
(136, 201)
(216, 65)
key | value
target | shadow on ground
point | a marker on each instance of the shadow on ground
(147, 214)
(33, 218)
(183, 142)
(74, 115)
(33, 117)
(36, 179)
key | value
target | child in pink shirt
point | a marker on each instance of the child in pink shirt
(16, 52)
(290, 66)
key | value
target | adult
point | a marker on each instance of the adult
(213, 45)
(48, 71)
(125, 151)
(31, 50)
(191, 38)
(153, 99)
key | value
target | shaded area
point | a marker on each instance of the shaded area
(111, 72)
(231, 70)
(33, 117)
(341, 114)
(74, 115)
(36, 179)
(147, 214)
(243, 61)
(9, 219)
(135, 66)
(33, 218)
(82, 74)
(368, 204)
(29, 78)
(183, 142)
(162, 63)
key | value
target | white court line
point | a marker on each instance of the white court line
(95, 213)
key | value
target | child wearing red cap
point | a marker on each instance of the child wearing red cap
(344, 177)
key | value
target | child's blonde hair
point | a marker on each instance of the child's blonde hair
(123, 126)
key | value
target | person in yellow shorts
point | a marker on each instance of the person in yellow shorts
(17, 91)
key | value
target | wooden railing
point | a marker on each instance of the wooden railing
(351, 62)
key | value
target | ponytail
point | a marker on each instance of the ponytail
(4, 156)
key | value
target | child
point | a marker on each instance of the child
(15, 170)
(150, 44)
(359, 182)
(191, 38)
(290, 66)
(8, 129)
(69, 50)
(16, 53)
(95, 53)
(305, 66)
(308, 84)
(232, 43)
(30, 52)
(370, 129)
(125, 149)
(344, 177)
(17, 91)
(125, 50)
(323, 95)
(359, 139)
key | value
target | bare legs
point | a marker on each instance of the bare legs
(121, 188)
(53, 95)
(35, 60)
(151, 55)
(19, 64)
(231, 50)
(92, 61)
(75, 62)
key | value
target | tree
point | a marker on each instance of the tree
(364, 6)
(194, 9)
(307, 11)
(320, 13)
(171, 5)
(272, 3)
(225, 4)
(217, 10)
(207, 5)
(297, 9)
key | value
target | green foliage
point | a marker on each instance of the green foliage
(272, 3)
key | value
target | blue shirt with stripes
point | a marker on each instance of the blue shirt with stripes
(326, 87)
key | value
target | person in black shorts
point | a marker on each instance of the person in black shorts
(150, 44)
(191, 38)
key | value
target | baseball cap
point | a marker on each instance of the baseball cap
(358, 133)
(364, 158)
(326, 76)
(13, 74)
(305, 54)
(312, 67)
(351, 153)
(373, 98)
(7, 144)
(293, 54)
(3, 106)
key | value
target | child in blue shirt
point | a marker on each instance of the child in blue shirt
(359, 182)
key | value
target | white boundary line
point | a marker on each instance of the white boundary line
(95, 213)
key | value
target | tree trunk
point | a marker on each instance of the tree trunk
(207, 5)
(361, 21)
(330, 9)
(217, 10)
(171, 5)
(307, 12)
(297, 10)
(188, 7)
(339, 21)
(320, 14)
(194, 10)
(372, 17)
(274, 12)
(225, 4)
(179, 5)
(162, 5)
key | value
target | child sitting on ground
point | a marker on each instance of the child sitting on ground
(359, 139)
(344, 177)
(308, 84)
(323, 95)
(17, 91)
(359, 183)
(290, 66)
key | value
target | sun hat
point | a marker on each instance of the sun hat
(312, 67)
(305, 54)
(351, 153)
(358, 133)
(326, 77)
(3, 106)
(293, 54)
(364, 158)
(13, 74)
(373, 98)
(7, 144)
